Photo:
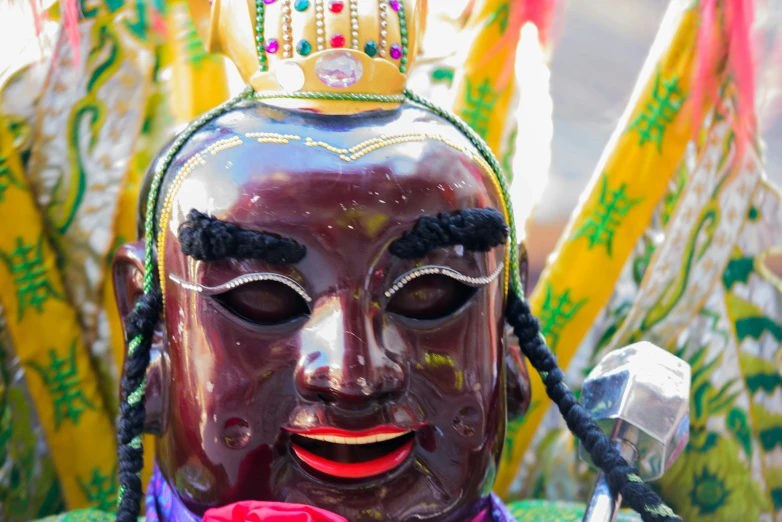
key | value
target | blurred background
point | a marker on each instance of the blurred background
(599, 47)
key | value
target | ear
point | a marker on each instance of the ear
(128, 270)
(517, 377)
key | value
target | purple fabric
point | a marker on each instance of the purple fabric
(164, 506)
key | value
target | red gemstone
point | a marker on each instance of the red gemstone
(337, 40)
(336, 6)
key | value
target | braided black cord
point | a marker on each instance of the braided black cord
(621, 477)
(140, 327)
(206, 238)
(477, 229)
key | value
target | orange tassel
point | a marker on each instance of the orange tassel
(739, 47)
(538, 12)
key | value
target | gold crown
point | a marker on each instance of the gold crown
(316, 46)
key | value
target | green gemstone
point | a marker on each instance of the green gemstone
(258, 38)
(404, 60)
(303, 47)
(371, 49)
(301, 5)
(403, 31)
(404, 40)
(263, 57)
(402, 68)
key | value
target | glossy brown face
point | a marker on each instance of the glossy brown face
(276, 390)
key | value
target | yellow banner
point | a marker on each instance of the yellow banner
(480, 100)
(577, 283)
(48, 341)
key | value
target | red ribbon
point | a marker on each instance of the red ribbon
(254, 511)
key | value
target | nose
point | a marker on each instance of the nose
(342, 364)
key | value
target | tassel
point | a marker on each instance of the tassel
(705, 74)
(70, 21)
(737, 39)
(537, 12)
(740, 17)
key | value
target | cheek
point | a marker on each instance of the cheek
(455, 371)
(227, 372)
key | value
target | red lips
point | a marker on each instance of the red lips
(363, 454)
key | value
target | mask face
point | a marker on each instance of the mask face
(353, 380)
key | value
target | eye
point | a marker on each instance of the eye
(264, 302)
(430, 297)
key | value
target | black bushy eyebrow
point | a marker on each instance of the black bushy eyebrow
(477, 229)
(207, 238)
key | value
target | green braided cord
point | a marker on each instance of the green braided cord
(133, 344)
(149, 229)
(259, 43)
(403, 36)
(138, 393)
(491, 159)
(136, 442)
(160, 170)
(333, 96)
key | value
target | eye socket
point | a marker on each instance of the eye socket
(265, 303)
(428, 297)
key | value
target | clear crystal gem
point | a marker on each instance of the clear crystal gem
(339, 69)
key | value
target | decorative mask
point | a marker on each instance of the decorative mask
(328, 267)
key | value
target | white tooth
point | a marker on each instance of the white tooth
(328, 438)
(350, 440)
(339, 440)
(383, 437)
(374, 438)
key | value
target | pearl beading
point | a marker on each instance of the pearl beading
(287, 30)
(441, 270)
(354, 27)
(242, 280)
(272, 137)
(233, 141)
(383, 41)
(168, 204)
(320, 25)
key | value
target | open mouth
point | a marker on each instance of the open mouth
(353, 455)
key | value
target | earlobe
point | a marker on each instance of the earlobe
(128, 269)
(516, 377)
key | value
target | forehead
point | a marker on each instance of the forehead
(267, 168)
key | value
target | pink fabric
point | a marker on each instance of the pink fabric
(254, 511)
(736, 35)
(483, 516)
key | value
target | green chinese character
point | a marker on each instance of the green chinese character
(480, 102)
(100, 490)
(600, 227)
(63, 382)
(6, 178)
(501, 17)
(667, 100)
(31, 277)
(557, 310)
